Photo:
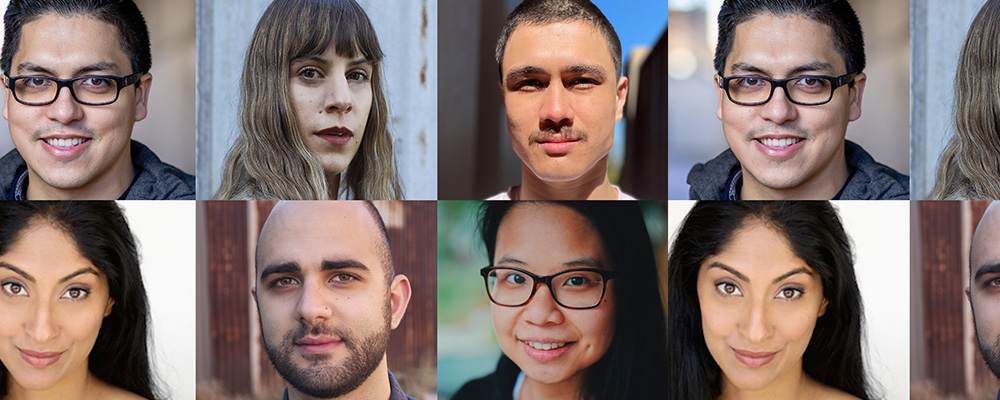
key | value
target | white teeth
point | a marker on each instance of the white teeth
(545, 346)
(779, 143)
(65, 143)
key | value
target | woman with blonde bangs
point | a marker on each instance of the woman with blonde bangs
(313, 115)
(969, 167)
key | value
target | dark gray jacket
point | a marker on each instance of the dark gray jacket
(154, 180)
(867, 179)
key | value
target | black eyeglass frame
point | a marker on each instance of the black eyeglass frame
(122, 81)
(547, 281)
(835, 82)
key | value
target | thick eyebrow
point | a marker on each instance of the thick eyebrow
(520, 72)
(328, 265)
(28, 67)
(81, 271)
(730, 270)
(321, 60)
(595, 70)
(742, 68)
(792, 273)
(281, 268)
(985, 270)
(745, 279)
(18, 271)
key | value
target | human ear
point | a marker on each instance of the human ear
(822, 307)
(621, 93)
(399, 294)
(142, 96)
(722, 95)
(856, 92)
(107, 310)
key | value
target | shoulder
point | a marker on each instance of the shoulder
(10, 164)
(481, 388)
(116, 393)
(871, 180)
(502, 196)
(158, 180)
(830, 393)
(708, 180)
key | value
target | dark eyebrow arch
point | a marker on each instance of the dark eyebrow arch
(744, 68)
(18, 271)
(595, 70)
(282, 268)
(522, 71)
(81, 271)
(510, 260)
(791, 273)
(315, 58)
(28, 67)
(986, 269)
(584, 262)
(730, 270)
(328, 265)
(812, 67)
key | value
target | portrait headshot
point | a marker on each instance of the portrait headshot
(564, 99)
(565, 303)
(954, 326)
(333, 100)
(786, 79)
(810, 318)
(77, 82)
(96, 300)
(954, 137)
(290, 306)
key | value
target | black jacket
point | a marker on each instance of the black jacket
(496, 386)
(867, 179)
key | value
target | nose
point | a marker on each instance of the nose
(42, 327)
(779, 109)
(557, 110)
(755, 326)
(543, 309)
(338, 97)
(65, 109)
(314, 305)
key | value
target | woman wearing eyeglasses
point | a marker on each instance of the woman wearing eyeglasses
(575, 305)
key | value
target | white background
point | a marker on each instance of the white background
(165, 234)
(879, 232)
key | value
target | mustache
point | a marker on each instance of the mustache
(566, 133)
(799, 131)
(322, 329)
(81, 130)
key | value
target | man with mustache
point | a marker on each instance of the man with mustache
(561, 79)
(789, 79)
(983, 291)
(327, 295)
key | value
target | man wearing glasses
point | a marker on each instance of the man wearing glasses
(75, 80)
(789, 79)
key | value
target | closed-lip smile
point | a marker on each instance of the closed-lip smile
(753, 359)
(40, 359)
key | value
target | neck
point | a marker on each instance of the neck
(823, 185)
(568, 389)
(794, 384)
(333, 185)
(375, 387)
(107, 185)
(592, 185)
(79, 384)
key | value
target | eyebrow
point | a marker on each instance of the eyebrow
(582, 262)
(521, 72)
(745, 279)
(824, 67)
(328, 265)
(28, 67)
(595, 70)
(25, 275)
(282, 268)
(321, 60)
(985, 270)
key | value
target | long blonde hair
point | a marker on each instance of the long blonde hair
(269, 160)
(970, 164)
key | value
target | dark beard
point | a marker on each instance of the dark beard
(990, 354)
(329, 381)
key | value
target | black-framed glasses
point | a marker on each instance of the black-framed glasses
(580, 288)
(805, 90)
(92, 90)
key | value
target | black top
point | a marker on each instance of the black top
(496, 386)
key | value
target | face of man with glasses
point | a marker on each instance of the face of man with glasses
(71, 100)
(552, 291)
(785, 99)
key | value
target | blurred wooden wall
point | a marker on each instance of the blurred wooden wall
(234, 333)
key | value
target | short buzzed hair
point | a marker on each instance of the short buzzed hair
(549, 11)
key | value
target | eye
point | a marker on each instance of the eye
(584, 83)
(342, 278)
(528, 85)
(357, 75)
(728, 289)
(76, 294)
(36, 82)
(515, 278)
(750, 82)
(14, 289)
(310, 73)
(789, 294)
(96, 82)
(283, 282)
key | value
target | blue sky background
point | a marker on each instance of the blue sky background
(637, 22)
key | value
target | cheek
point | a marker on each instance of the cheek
(503, 322)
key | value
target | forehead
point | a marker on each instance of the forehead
(743, 252)
(984, 243)
(66, 41)
(554, 45)
(309, 232)
(547, 236)
(779, 44)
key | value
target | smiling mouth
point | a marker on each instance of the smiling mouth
(65, 143)
(545, 346)
(779, 143)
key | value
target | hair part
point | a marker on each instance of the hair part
(816, 235)
(120, 356)
(633, 366)
(550, 11)
(969, 166)
(837, 14)
(269, 159)
(133, 36)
